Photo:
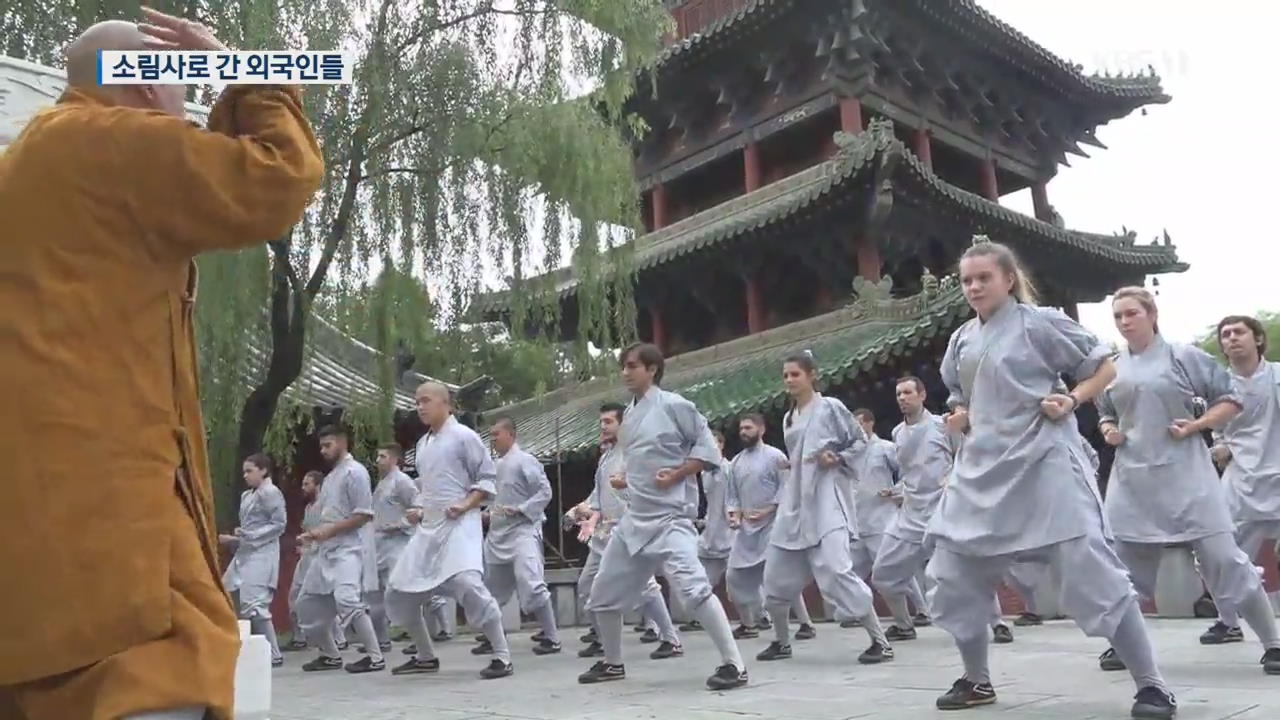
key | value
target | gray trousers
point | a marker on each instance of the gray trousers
(1096, 591)
(1250, 536)
(1227, 570)
(787, 572)
(745, 587)
(407, 610)
(623, 578)
(716, 569)
(524, 578)
(652, 605)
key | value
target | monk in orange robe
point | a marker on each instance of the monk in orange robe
(112, 606)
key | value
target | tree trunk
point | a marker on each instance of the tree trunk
(284, 364)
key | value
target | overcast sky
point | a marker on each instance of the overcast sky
(1202, 166)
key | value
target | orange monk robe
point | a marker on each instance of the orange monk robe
(111, 601)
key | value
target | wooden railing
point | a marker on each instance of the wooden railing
(695, 15)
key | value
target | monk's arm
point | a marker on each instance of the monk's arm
(241, 183)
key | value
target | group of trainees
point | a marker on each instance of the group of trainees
(994, 491)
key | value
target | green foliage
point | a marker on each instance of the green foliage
(481, 139)
(1270, 325)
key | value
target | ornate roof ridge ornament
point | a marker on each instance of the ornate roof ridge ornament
(873, 301)
(981, 239)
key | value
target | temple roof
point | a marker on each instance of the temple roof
(743, 375)
(964, 17)
(823, 184)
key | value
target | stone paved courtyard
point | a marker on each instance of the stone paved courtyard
(1049, 673)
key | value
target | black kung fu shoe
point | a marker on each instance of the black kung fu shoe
(691, 626)
(1001, 634)
(894, 633)
(922, 620)
(650, 636)
(482, 648)
(383, 646)
(876, 654)
(1027, 619)
(1221, 633)
(497, 669)
(442, 636)
(1110, 661)
(766, 623)
(853, 623)
(322, 663)
(666, 650)
(595, 649)
(411, 650)
(964, 695)
(727, 677)
(366, 664)
(537, 637)
(775, 651)
(742, 632)
(590, 637)
(414, 666)
(546, 647)
(806, 632)
(602, 672)
(1271, 661)
(1152, 703)
(640, 627)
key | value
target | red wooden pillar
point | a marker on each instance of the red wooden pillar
(659, 206)
(822, 298)
(751, 166)
(659, 327)
(851, 115)
(868, 257)
(990, 187)
(923, 147)
(1040, 200)
(755, 304)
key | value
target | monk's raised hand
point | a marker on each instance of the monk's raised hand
(1182, 428)
(666, 477)
(618, 482)
(413, 515)
(1057, 406)
(455, 511)
(828, 459)
(586, 529)
(1221, 455)
(957, 420)
(1112, 435)
(162, 31)
(227, 539)
(886, 492)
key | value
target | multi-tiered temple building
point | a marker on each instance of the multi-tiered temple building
(813, 172)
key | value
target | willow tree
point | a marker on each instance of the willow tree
(480, 139)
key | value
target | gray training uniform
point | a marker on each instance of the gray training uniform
(612, 504)
(810, 537)
(344, 567)
(444, 556)
(715, 543)
(1163, 489)
(391, 498)
(255, 569)
(513, 559)
(755, 482)
(1020, 486)
(660, 431)
(925, 452)
(1252, 477)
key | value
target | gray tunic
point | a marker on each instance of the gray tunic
(1252, 477)
(925, 453)
(717, 537)
(451, 463)
(876, 469)
(393, 495)
(604, 499)
(523, 485)
(755, 482)
(346, 558)
(262, 521)
(1163, 489)
(812, 504)
(1011, 487)
(660, 430)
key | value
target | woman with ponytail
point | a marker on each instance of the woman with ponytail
(810, 536)
(254, 570)
(1020, 484)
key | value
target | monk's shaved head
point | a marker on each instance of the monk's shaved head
(435, 390)
(435, 405)
(82, 69)
(82, 53)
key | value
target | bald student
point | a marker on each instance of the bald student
(107, 197)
